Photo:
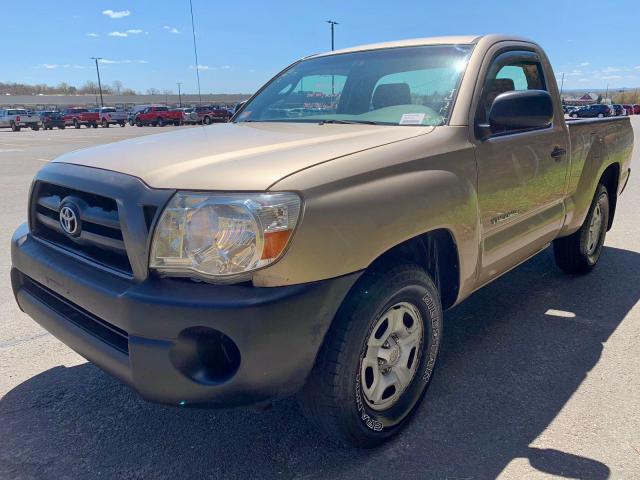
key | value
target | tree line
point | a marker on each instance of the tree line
(88, 88)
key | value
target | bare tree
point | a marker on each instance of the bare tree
(117, 86)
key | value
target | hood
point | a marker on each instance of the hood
(235, 156)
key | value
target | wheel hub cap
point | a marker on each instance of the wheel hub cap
(595, 229)
(391, 356)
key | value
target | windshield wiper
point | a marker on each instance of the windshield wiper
(362, 122)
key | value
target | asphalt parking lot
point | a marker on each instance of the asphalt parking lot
(539, 376)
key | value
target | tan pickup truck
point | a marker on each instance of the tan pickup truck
(311, 245)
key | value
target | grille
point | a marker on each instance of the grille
(100, 239)
(108, 333)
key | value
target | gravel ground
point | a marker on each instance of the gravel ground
(519, 391)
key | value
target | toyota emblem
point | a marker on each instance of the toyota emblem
(69, 220)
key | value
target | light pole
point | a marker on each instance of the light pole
(99, 83)
(195, 52)
(561, 86)
(333, 24)
(179, 94)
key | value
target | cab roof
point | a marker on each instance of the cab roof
(416, 42)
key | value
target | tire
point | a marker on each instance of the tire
(94, 125)
(601, 115)
(36, 128)
(335, 396)
(122, 124)
(206, 120)
(62, 127)
(76, 124)
(160, 122)
(14, 127)
(579, 253)
(105, 124)
(573, 115)
(138, 123)
(132, 123)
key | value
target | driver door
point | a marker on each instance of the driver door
(521, 174)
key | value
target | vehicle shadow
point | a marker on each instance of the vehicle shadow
(507, 367)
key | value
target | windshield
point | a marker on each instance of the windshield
(108, 110)
(395, 86)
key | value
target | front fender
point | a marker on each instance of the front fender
(360, 206)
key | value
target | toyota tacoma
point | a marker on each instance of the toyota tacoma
(311, 245)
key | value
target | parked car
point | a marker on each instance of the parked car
(189, 116)
(111, 116)
(212, 113)
(314, 255)
(590, 111)
(158, 115)
(628, 109)
(238, 106)
(52, 118)
(16, 118)
(77, 117)
(131, 114)
(636, 109)
(618, 110)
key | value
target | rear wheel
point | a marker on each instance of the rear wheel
(601, 115)
(378, 357)
(206, 120)
(122, 124)
(160, 122)
(35, 128)
(76, 124)
(105, 124)
(579, 252)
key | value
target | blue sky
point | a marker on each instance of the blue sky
(241, 44)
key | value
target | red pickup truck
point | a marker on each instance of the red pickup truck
(81, 116)
(158, 116)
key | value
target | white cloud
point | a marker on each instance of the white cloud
(92, 34)
(110, 62)
(611, 77)
(201, 67)
(118, 34)
(116, 14)
(585, 64)
(52, 66)
(135, 31)
(611, 70)
(171, 29)
(575, 73)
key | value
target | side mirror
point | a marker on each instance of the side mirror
(521, 110)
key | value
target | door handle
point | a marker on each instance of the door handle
(558, 153)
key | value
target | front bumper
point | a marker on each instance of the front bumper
(136, 331)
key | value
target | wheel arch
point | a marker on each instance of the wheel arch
(437, 252)
(610, 178)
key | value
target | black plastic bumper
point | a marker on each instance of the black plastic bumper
(135, 331)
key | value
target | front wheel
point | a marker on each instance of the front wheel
(578, 253)
(601, 115)
(122, 124)
(105, 124)
(378, 357)
(35, 128)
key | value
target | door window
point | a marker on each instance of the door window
(510, 71)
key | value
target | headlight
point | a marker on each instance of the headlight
(220, 237)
